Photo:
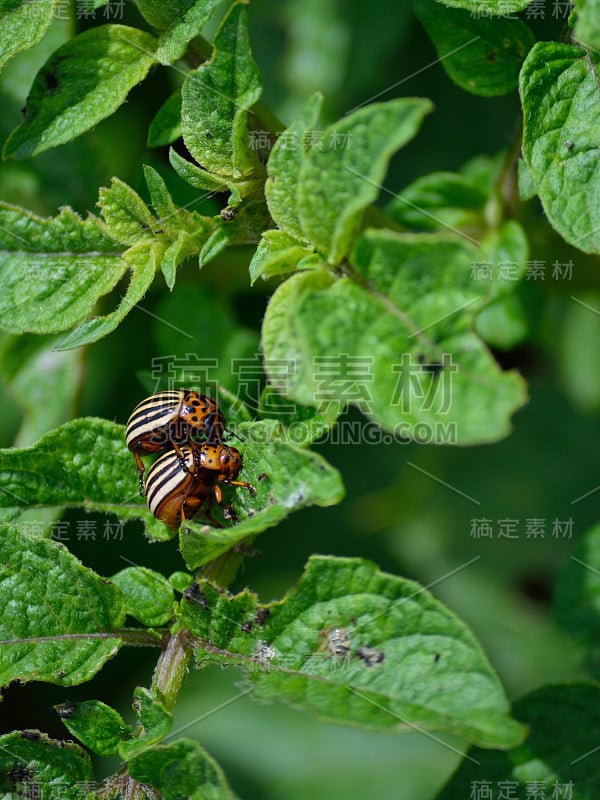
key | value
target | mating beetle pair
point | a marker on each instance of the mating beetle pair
(175, 491)
(172, 418)
(189, 426)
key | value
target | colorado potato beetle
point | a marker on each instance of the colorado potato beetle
(175, 490)
(172, 418)
(223, 460)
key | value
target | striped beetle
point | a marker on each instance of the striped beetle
(223, 459)
(172, 418)
(175, 491)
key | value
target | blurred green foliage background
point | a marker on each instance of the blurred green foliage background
(394, 513)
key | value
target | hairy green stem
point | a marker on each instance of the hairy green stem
(171, 668)
(506, 183)
(173, 663)
(222, 570)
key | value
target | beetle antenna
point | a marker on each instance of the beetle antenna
(233, 433)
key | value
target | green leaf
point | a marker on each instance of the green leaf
(357, 646)
(126, 215)
(161, 14)
(143, 259)
(185, 24)
(341, 177)
(304, 424)
(22, 29)
(148, 595)
(406, 354)
(484, 8)
(53, 271)
(195, 175)
(527, 187)
(97, 726)
(482, 56)
(165, 127)
(432, 673)
(187, 232)
(563, 724)
(561, 137)
(216, 243)
(216, 98)
(83, 82)
(283, 168)
(173, 256)
(84, 463)
(217, 618)
(233, 407)
(504, 322)
(154, 724)
(439, 201)
(277, 254)
(160, 195)
(186, 243)
(42, 382)
(156, 243)
(587, 22)
(31, 761)
(285, 478)
(55, 602)
(504, 254)
(180, 581)
(181, 769)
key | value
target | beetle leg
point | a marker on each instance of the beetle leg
(141, 469)
(193, 504)
(229, 513)
(195, 448)
(233, 433)
(242, 484)
(209, 516)
(181, 458)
